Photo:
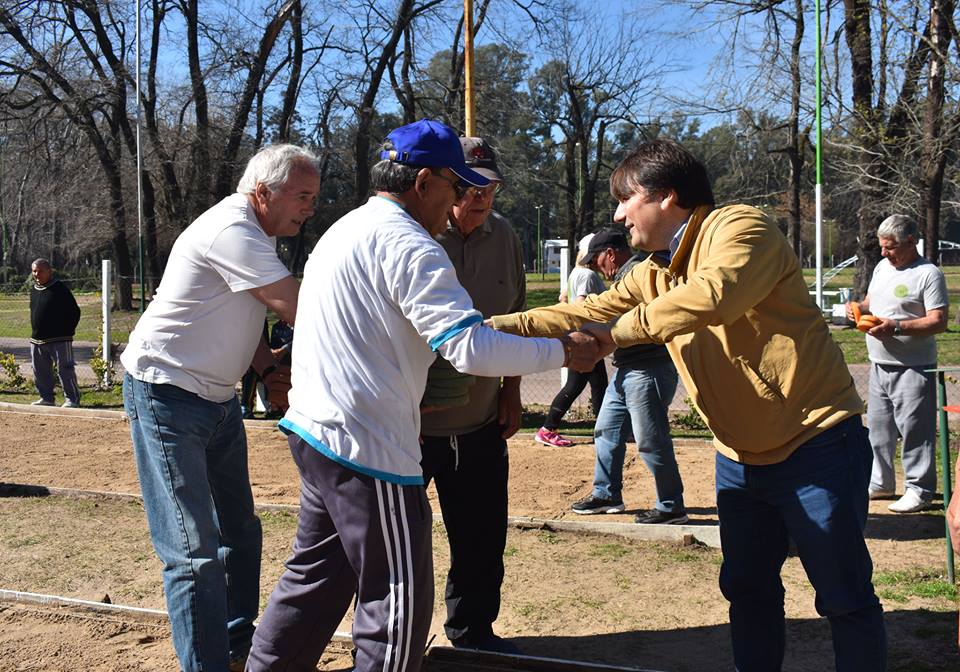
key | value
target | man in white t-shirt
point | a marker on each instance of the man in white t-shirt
(183, 361)
(909, 295)
(380, 299)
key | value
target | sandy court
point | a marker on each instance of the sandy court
(590, 597)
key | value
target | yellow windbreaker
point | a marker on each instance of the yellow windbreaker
(751, 347)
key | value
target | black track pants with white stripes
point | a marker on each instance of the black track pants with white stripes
(356, 535)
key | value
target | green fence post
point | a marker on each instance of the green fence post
(945, 461)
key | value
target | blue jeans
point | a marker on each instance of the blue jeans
(191, 458)
(817, 497)
(639, 397)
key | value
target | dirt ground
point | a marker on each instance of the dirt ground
(598, 598)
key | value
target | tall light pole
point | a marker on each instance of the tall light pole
(143, 291)
(469, 118)
(819, 164)
(538, 208)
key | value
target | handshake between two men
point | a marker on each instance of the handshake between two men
(584, 348)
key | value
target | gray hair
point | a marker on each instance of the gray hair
(393, 178)
(899, 228)
(271, 166)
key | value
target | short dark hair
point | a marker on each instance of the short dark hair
(393, 178)
(390, 176)
(658, 166)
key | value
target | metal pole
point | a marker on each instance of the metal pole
(3, 236)
(945, 463)
(469, 122)
(819, 163)
(564, 274)
(143, 290)
(539, 243)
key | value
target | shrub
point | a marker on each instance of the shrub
(691, 418)
(11, 370)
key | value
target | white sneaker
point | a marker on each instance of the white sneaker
(909, 503)
(71, 404)
(41, 402)
(879, 493)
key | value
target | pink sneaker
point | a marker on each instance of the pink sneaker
(544, 435)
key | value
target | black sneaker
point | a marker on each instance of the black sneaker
(593, 504)
(658, 517)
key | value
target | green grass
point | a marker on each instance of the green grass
(579, 421)
(15, 318)
(900, 586)
(90, 397)
(550, 538)
(611, 551)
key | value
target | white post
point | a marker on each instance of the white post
(564, 266)
(564, 273)
(106, 292)
(818, 240)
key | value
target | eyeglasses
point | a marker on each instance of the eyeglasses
(484, 192)
(459, 187)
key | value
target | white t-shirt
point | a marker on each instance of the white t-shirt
(584, 281)
(202, 328)
(905, 294)
(379, 299)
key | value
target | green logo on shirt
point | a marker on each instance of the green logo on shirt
(900, 291)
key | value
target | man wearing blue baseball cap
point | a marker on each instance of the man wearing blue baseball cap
(379, 301)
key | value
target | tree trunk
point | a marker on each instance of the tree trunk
(296, 66)
(365, 113)
(795, 151)
(570, 194)
(934, 157)
(857, 33)
(198, 177)
(227, 163)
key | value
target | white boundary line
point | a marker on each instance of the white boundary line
(22, 597)
(445, 653)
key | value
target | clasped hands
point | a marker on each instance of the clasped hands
(277, 383)
(586, 347)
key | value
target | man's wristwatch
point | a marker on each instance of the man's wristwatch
(897, 328)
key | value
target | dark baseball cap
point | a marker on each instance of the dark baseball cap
(480, 157)
(603, 239)
(431, 144)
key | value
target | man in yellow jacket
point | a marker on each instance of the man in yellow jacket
(724, 292)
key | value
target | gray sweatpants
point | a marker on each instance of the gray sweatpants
(356, 535)
(902, 402)
(43, 357)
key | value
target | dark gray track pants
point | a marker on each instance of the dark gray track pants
(356, 535)
(43, 356)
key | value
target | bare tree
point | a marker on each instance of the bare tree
(597, 76)
(935, 142)
(880, 130)
(52, 46)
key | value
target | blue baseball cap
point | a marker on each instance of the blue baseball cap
(430, 143)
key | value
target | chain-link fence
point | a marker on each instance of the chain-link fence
(16, 373)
